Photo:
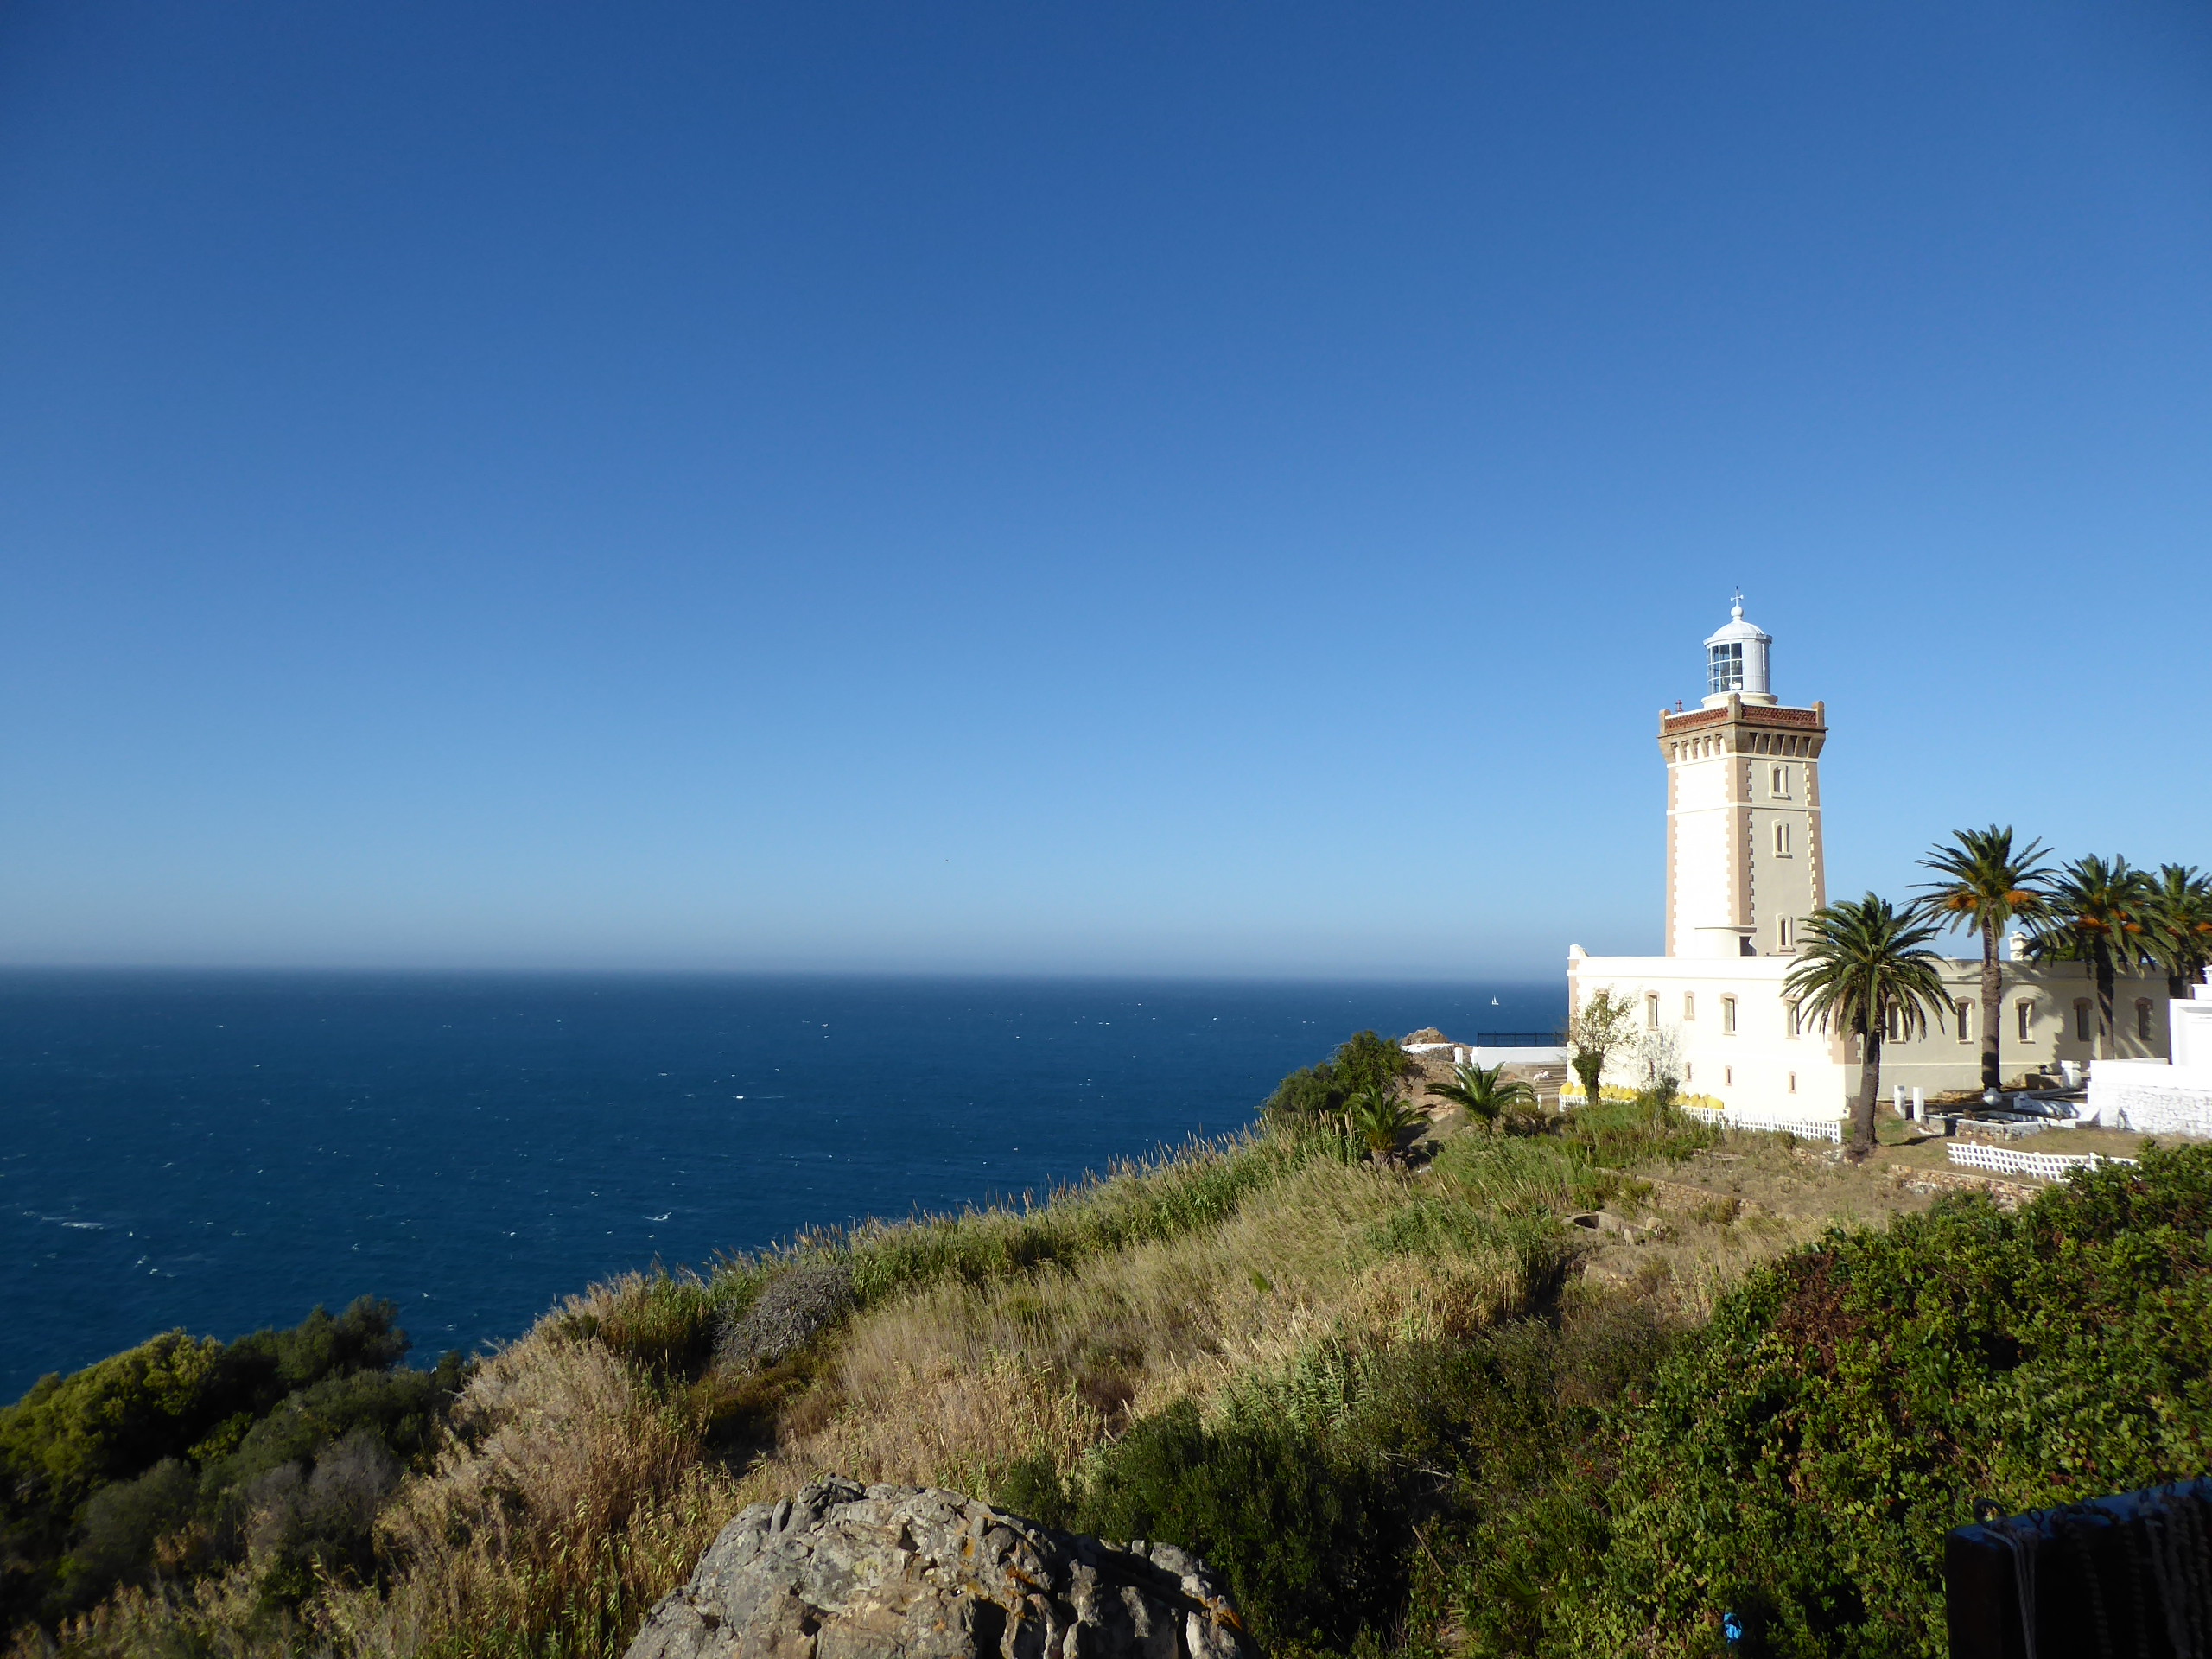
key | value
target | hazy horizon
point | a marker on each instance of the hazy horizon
(1164, 491)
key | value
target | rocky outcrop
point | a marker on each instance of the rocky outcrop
(842, 1572)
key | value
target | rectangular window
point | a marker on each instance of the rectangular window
(1651, 1011)
(2143, 1019)
(1796, 1020)
(2081, 1022)
(1689, 1005)
(1687, 1070)
(1781, 840)
(1725, 667)
(1782, 933)
(1728, 1014)
(1779, 783)
(1793, 1083)
(1966, 1022)
(1728, 1076)
(1893, 1023)
(2027, 1012)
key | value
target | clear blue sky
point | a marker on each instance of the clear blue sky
(1178, 487)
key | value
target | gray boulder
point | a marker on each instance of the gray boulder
(844, 1572)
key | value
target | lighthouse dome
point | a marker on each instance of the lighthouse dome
(1737, 660)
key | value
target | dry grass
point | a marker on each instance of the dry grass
(582, 1480)
(569, 1500)
(960, 1380)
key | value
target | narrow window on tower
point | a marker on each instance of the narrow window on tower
(1689, 1005)
(1781, 931)
(2081, 1019)
(1796, 1019)
(1725, 667)
(1651, 1011)
(1728, 1076)
(1780, 781)
(1781, 840)
(1793, 1083)
(2026, 1011)
(1728, 1014)
(2143, 1018)
(1966, 1022)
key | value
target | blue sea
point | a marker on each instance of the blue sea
(222, 1152)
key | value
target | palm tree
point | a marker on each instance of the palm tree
(1485, 1093)
(2181, 926)
(1986, 886)
(1380, 1116)
(2097, 913)
(1864, 966)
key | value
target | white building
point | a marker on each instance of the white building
(1745, 865)
(2157, 1098)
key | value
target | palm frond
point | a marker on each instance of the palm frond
(1861, 960)
(1484, 1093)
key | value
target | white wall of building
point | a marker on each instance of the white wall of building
(1740, 1044)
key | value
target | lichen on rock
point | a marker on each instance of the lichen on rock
(845, 1572)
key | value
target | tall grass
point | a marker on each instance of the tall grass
(567, 1501)
(1256, 1277)
(1185, 1190)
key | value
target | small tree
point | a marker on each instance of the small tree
(1661, 1050)
(1317, 1094)
(1485, 1093)
(1861, 965)
(1599, 1027)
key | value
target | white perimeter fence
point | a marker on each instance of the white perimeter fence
(2043, 1166)
(1805, 1128)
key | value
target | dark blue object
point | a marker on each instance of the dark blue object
(2129, 1574)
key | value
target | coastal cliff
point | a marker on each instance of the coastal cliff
(1552, 1385)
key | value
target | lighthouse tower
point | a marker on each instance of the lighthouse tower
(1743, 856)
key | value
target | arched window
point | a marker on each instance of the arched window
(1781, 840)
(1966, 1022)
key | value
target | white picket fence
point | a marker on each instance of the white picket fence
(1805, 1128)
(2043, 1166)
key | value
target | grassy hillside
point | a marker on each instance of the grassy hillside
(1404, 1409)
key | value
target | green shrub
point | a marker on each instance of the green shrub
(101, 1469)
(1618, 1134)
(1333, 1496)
(1310, 1545)
(1807, 1451)
(663, 1323)
(1364, 1061)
